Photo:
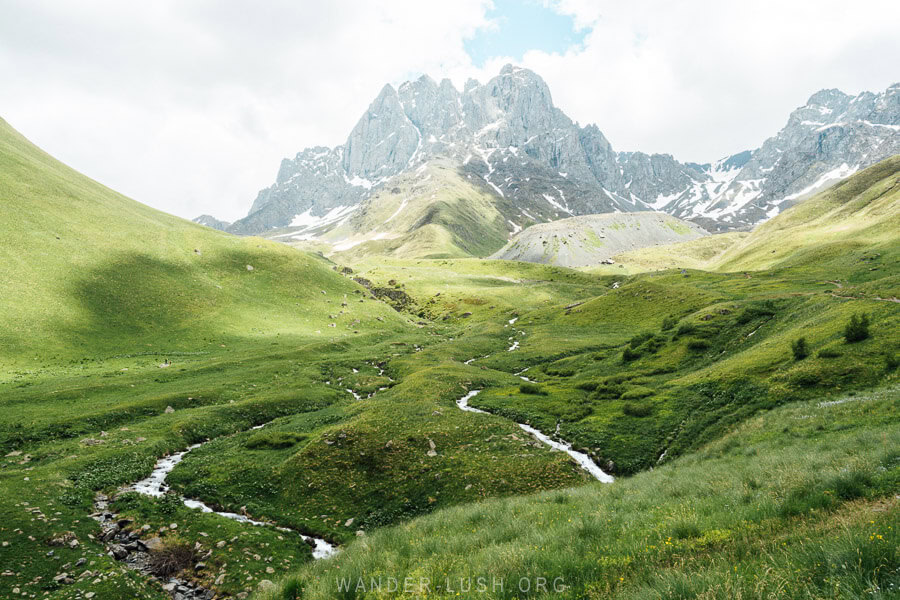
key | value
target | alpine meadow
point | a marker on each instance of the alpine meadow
(473, 351)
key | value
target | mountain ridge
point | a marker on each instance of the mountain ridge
(509, 138)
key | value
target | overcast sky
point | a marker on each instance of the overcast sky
(190, 105)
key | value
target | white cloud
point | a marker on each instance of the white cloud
(190, 105)
(702, 79)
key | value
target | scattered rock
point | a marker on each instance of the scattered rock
(169, 410)
(249, 267)
(265, 586)
(154, 543)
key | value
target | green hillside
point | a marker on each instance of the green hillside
(89, 273)
(847, 223)
(743, 466)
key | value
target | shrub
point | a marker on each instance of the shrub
(697, 345)
(668, 323)
(800, 348)
(891, 361)
(755, 310)
(654, 344)
(557, 372)
(531, 388)
(639, 339)
(273, 440)
(637, 392)
(171, 559)
(806, 379)
(683, 531)
(169, 503)
(629, 355)
(637, 409)
(685, 329)
(828, 353)
(587, 386)
(857, 329)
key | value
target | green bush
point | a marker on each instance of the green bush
(891, 361)
(806, 380)
(637, 392)
(629, 355)
(587, 386)
(828, 353)
(857, 329)
(639, 339)
(697, 345)
(273, 440)
(756, 310)
(668, 323)
(557, 372)
(637, 409)
(685, 329)
(531, 388)
(800, 348)
(684, 531)
(654, 344)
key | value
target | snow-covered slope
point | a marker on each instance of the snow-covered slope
(828, 139)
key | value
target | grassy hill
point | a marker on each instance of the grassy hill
(694, 254)
(831, 229)
(88, 273)
(135, 334)
(796, 503)
(825, 232)
(436, 212)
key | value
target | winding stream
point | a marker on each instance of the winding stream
(583, 460)
(155, 485)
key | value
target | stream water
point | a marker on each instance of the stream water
(583, 460)
(155, 485)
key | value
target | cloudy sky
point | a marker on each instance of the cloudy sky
(190, 105)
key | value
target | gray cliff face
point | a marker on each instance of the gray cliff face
(508, 137)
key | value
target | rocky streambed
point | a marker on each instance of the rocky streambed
(134, 546)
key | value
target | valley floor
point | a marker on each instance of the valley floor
(364, 435)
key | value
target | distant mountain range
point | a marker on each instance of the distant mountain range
(507, 141)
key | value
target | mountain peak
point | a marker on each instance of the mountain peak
(827, 97)
(507, 139)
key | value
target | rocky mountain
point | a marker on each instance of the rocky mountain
(594, 239)
(829, 138)
(507, 139)
(212, 222)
